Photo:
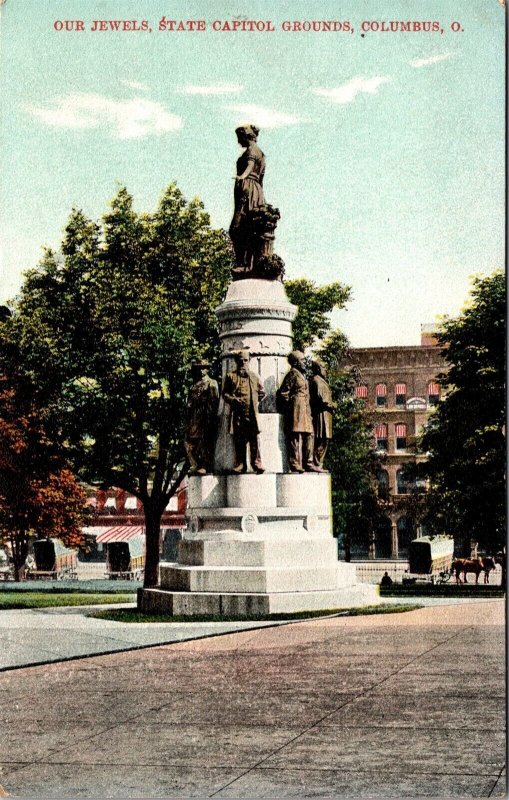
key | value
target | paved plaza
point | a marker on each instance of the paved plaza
(402, 705)
(39, 636)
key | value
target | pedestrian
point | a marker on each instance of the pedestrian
(386, 580)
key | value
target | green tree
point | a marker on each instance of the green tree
(465, 436)
(107, 332)
(351, 459)
(315, 304)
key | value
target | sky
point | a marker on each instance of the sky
(385, 149)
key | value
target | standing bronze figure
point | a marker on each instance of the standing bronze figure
(254, 220)
(248, 193)
(243, 391)
(201, 422)
(293, 402)
(322, 406)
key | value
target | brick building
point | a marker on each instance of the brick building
(399, 387)
(119, 516)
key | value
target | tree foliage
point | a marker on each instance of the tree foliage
(465, 436)
(107, 333)
(350, 458)
(315, 304)
(39, 495)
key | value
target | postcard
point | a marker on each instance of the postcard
(178, 177)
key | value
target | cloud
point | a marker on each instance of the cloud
(126, 119)
(347, 92)
(423, 62)
(138, 85)
(212, 89)
(265, 117)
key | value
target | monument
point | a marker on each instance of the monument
(259, 526)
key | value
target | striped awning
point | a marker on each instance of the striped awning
(119, 533)
(400, 388)
(433, 388)
(361, 391)
(381, 431)
(381, 390)
(400, 430)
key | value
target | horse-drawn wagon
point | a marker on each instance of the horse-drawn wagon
(125, 552)
(53, 561)
(430, 558)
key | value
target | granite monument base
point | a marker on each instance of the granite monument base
(257, 545)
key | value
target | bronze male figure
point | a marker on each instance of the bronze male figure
(293, 402)
(242, 390)
(322, 407)
(201, 422)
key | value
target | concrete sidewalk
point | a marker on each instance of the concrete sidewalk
(40, 636)
(405, 705)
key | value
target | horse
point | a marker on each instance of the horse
(488, 565)
(464, 565)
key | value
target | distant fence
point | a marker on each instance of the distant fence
(372, 571)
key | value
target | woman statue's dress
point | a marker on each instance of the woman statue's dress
(248, 195)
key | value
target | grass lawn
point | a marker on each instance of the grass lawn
(132, 615)
(48, 600)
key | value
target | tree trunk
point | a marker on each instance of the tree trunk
(19, 546)
(152, 531)
(348, 547)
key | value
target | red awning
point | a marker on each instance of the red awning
(433, 388)
(361, 391)
(119, 533)
(381, 431)
(381, 390)
(400, 388)
(400, 430)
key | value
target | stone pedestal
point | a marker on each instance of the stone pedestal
(257, 544)
(256, 316)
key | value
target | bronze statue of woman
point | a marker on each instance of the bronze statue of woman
(248, 194)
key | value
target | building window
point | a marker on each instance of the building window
(383, 484)
(381, 394)
(433, 393)
(400, 436)
(401, 484)
(361, 392)
(400, 394)
(381, 437)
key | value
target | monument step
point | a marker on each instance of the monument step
(247, 579)
(227, 604)
(268, 553)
